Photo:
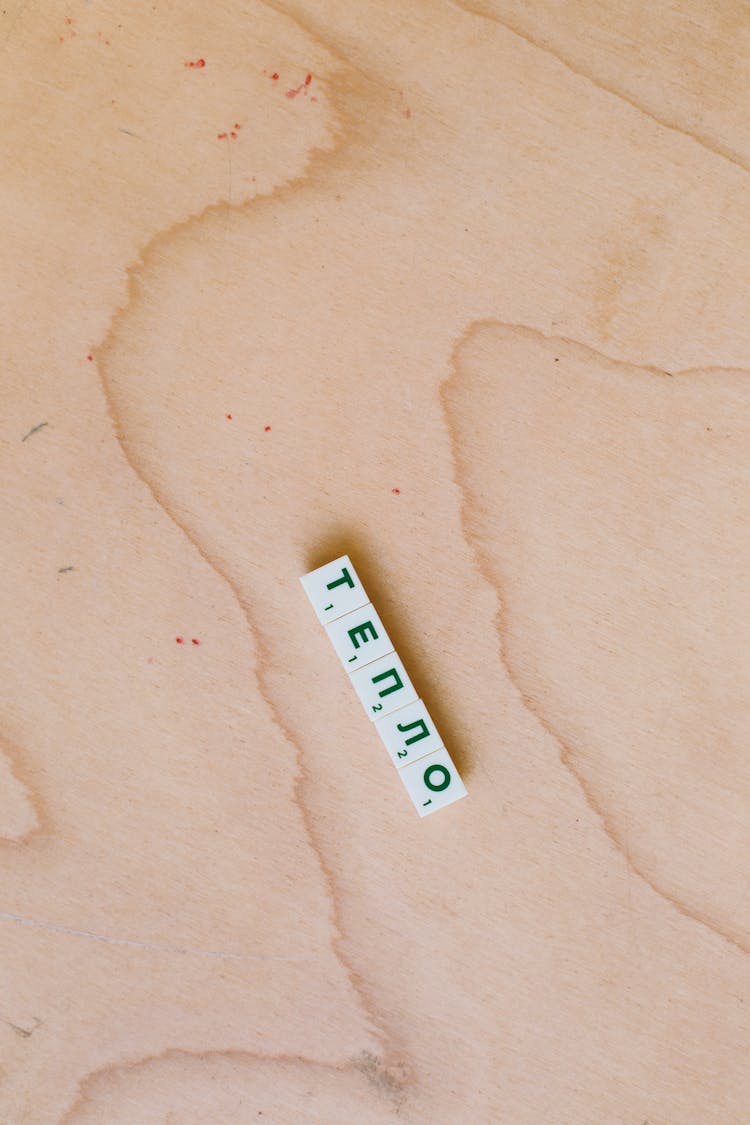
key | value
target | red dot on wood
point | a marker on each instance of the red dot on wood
(237, 125)
(308, 80)
(396, 491)
(89, 357)
(233, 134)
(179, 640)
(229, 416)
(267, 428)
(195, 641)
(221, 136)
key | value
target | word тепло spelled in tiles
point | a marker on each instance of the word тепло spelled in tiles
(383, 686)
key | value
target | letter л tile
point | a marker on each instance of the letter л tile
(408, 733)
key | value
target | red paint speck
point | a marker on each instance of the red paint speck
(274, 76)
(179, 640)
(89, 358)
(195, 64)
(233, 134)
(396, 491)
(195, 641)
(68, 20)
(293, 93)
(407, 113)
(237, 125)
(267, 428)
(221, 136)
(229, 416)
(308, 80)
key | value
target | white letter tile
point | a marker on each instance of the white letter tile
(383, 686)
(359, 637)
(432, 782)
(408, 733)
(334, 589)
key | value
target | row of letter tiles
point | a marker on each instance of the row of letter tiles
(432, 782)
(334, 589)
(408, 733)
(383, 686)
(359, 637)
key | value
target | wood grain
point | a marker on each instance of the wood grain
(470, 305)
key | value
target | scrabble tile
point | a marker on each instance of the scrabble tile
(383, 686)
(359, 637)
(432, 782)
(334, 589)
(408, 733)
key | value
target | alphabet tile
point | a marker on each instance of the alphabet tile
(359, 637)
(383, 686)
(432, 782)
(408, 733)
(334, 589)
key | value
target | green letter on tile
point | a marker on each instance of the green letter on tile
(395, 686)
(410, 726)
(347, 578)
(361, 631)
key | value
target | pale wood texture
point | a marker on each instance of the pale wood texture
(485, 277)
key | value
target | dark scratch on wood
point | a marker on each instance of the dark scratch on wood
(65, 569)
(34, 430)
(24, 1032)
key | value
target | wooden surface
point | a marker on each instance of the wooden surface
(471, 305)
